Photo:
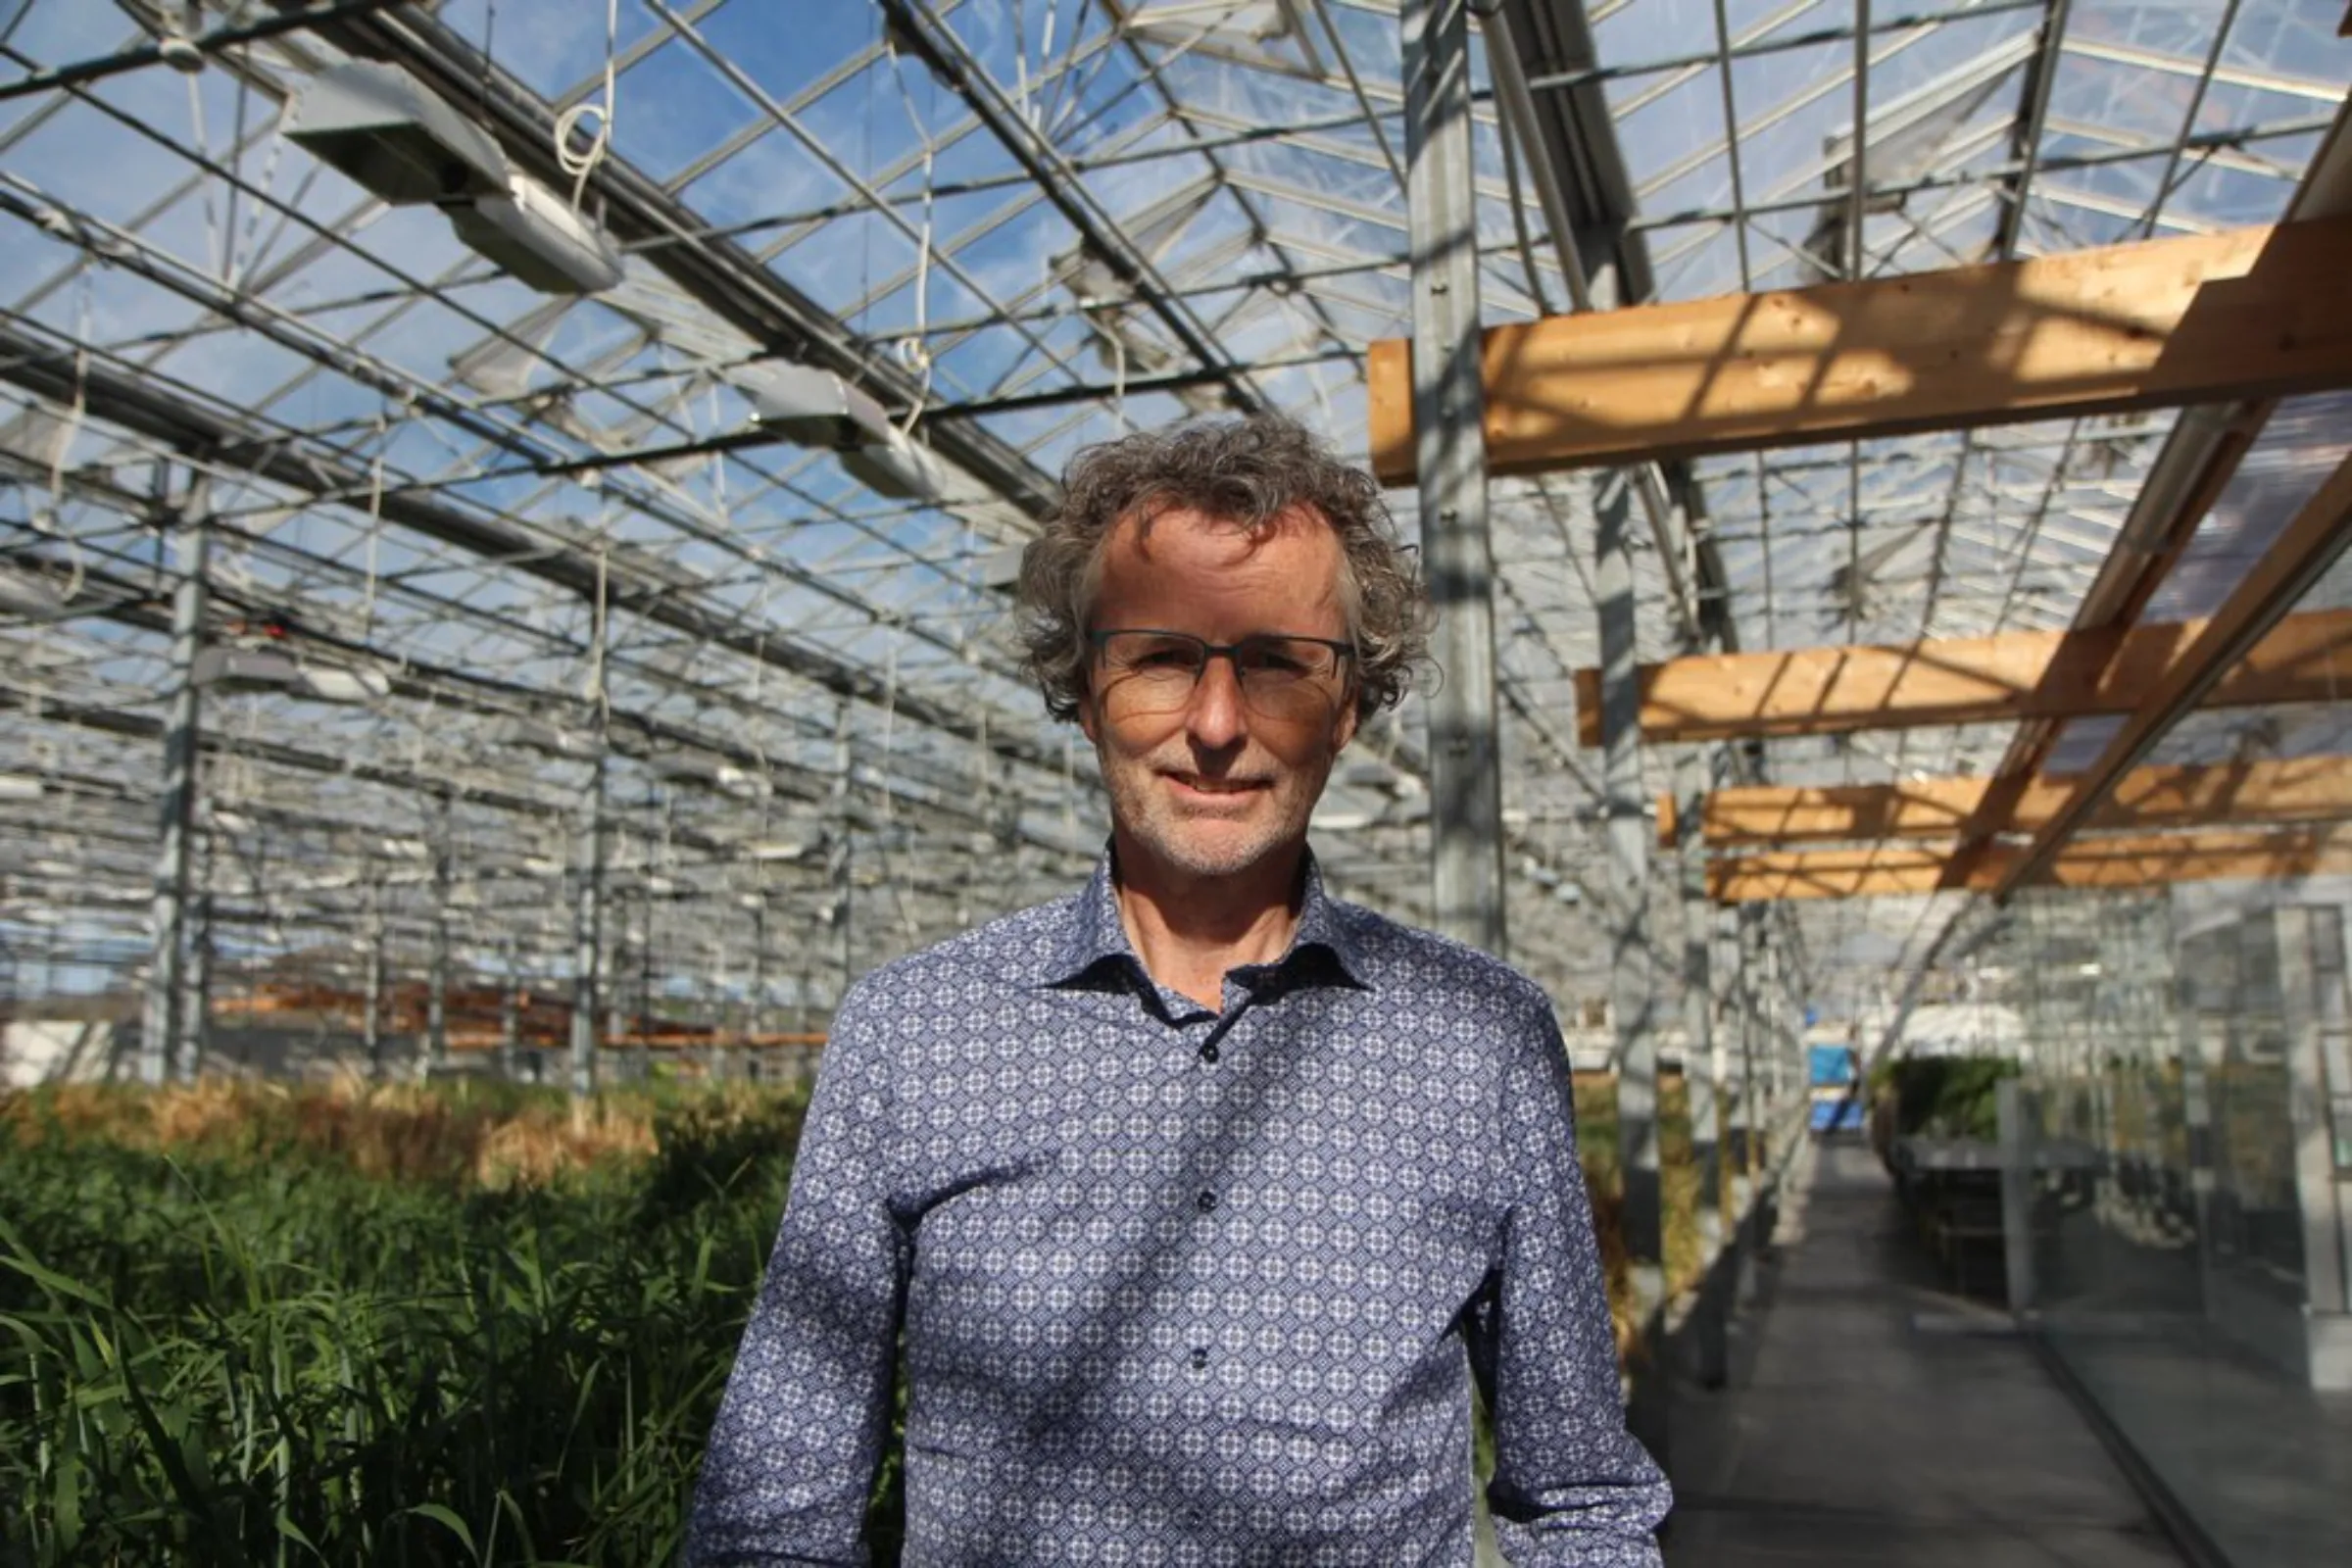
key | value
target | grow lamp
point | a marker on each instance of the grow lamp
(724, 777)
(812, 408)
(394, 136)
(263, 669)
(549, 740)
(539, 238)
(896, 469)
(28, 595)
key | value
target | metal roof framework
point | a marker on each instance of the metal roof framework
(534, 522)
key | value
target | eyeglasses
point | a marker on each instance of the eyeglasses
(1282, 677)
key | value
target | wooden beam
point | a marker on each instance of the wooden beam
(1965, 680)
(2254, 311)
(2291, 565)
(2303, 789)
(2137, 860)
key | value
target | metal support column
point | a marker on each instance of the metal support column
(712, 994)
(588, 930)
(193, 1037)
(436, 1004)
(1753, 1196)
(167, 922)
(1731, 1097)
(844, 908)
(510, 1013)
(1752, 1038)
(1774, 1018)
(2020, 1186)
(1790, 974)
(1448, 417)
(1702, 1064)
(756, 1061)
(371, 985)
(1633, 989)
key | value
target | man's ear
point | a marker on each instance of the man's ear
(1086, 714)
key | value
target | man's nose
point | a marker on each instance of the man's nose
(1215, 719)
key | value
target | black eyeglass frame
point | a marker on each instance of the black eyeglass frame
(1100, 640)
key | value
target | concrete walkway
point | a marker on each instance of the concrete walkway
(1872, 1417)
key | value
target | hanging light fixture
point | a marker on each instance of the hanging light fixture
(539, 238)
(396, 137)
(267, 669)
(812, 408)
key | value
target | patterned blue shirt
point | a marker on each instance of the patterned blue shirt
(1182, 1286)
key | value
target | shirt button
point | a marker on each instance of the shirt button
(1208, 1052)
(1208, 1203)
(1199, 1358)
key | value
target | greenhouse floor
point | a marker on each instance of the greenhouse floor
(1871, 1416)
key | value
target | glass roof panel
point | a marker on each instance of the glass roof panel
(1084, 218)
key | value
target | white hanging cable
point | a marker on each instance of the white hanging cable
(50, 520)
(593, 689)
(245, 255)
(718, 460)
(375, 524)
(890, 713)
(1020, 65)
(1118, 366)
(581, 165)
(986, 778)
(914, 350)
(215, 244)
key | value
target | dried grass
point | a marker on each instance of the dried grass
(496, 1138)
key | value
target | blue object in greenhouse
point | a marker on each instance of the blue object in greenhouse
(1837, 1112)
(1830, 1064)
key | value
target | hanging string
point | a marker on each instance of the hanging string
(581, 165)
(987, 779)
(1118, 370)
(249, 247)
(375, 514)
(594, 688)
(215, 242)
(50, 520)
(914, 350)
(1020, 58)
(890, 713)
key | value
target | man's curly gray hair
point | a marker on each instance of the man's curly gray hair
(1253, 472)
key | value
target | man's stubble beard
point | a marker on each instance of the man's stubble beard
(1143, 812)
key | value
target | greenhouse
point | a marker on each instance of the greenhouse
(514, 543)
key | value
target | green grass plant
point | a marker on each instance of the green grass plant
(246, 1324)
(1942, 1097)
(263, 1351)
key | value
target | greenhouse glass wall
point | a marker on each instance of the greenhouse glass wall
(2188, 1108)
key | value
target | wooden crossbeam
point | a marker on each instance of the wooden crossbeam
(2291, 564)
(1965, 680)
(2134, 860)
(2255, 311)
(2303, 789)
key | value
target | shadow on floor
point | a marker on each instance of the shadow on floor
(1873, 1416)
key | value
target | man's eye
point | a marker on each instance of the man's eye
(1275, 660)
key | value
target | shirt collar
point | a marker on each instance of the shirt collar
(1094, 935)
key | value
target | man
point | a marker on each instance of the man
(1197, 1197)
